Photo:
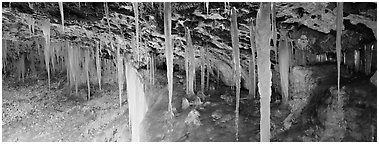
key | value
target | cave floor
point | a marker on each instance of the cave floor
(31, 113)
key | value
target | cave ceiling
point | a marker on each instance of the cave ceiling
(85, 23)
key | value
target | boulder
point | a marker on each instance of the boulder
(226, 74)
(373, 79)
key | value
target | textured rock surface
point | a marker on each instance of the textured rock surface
(302, 85)
(312, 23)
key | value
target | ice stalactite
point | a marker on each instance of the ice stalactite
(368, 58)
(236, 58)
(207, 6)
(191, 62)
(98, 64)
(4, 54)
(127, 90)
(136, 17)
(186, 64)
(119, 72)
(76, 67)
(169, 52)
(357, 60)
(152, 69)
(52, 57)
(106, 9)
(262, 40)
(62, 16)
(252, 63)
(86, 67)
(209, 68)
(273, 29)
(339, 25)
(202, 67)
(46, 33)
(225, 6)
(21, 67)
(284, 58)
(136, 100)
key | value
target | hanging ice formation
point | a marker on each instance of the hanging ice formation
(46, 33)
(284, 59)
(106, 9)
(207, 5)
(339, 25)
(62, 16)
(86, 66)
(191, 63)
(262, 40)
(98, 64)
(236, 58)
(169, 51)
(119, 72)
(252, 73)
(202, 67)
(207, 59)
(273, 29)
(186, 63)
(136, 100)
(136, 16)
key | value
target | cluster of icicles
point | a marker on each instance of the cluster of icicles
(85, 65)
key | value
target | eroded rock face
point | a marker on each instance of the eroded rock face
(86, 23)
(227, 75)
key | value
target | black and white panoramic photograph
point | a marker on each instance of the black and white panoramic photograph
(133, 71)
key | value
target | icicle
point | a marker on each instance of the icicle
(225, 8)
(86, 63)
(98, 64)
(273, 28)
(252, 64)
(236, 58)
(153, 68)
(136, 101)
(357, 60)
(339, 25)
(207, 6)
(119, 72)
(262, 40)
(76, 67)
(52, 57)
(284, 66)
(136, 18)
(169, 51)
(22, 67)
(4, 54)
(67, 61)
(202, 67)
(186, 64)
(208, 66)
(368, 58)
(46, 33)
(191, 62)
(129, 95)
(62, 16)
(106, 9)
